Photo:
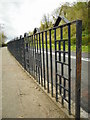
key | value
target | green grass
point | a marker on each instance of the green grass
(85, 43)
(73, 48)
(84, 49)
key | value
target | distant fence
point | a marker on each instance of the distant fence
(47, 62)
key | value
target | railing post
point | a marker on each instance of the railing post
(24, 52)
(78, 69)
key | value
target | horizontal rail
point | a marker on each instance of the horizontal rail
(60, 51)
(62, 76)
(62, 62)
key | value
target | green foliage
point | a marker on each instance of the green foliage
(30, 33)
(46, 23)
(2, 38)
(84, 41)
(42, 27)
(78, 10)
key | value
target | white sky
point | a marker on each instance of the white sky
(20, 16)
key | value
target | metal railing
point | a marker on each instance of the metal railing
(43, 55)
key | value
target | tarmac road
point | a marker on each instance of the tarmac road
(84, 76)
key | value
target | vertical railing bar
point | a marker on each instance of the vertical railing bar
(43, 61)
(59, 45)
(47, 62)
(37, 42)
(24, 53)
(60, 79)
(40, 60)
(64, 50)
(34, 56)
(20, 51)
(56, 65)
(64, 91)
(33, 53)
(38, 68)
(29, 57)
(51, 66)
(28, 54)
(69, 68)
(39, 74)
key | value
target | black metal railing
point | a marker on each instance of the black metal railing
(46, 60)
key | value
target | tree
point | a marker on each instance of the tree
(2, 38)
(42, 26)
(45, 21)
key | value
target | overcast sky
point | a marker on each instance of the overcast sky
(20, 16)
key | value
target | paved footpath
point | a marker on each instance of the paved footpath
(22, 98)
